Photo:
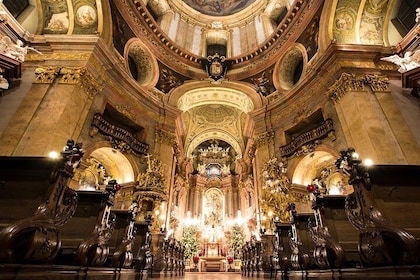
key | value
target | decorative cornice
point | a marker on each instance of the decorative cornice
(45, 75)
(350, 82)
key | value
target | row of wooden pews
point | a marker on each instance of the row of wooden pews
(346, 237)
(49, 229)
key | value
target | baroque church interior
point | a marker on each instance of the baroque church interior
(269, 138)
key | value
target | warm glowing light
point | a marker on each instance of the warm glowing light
(53, 154)
(368, 162)
(355, 155)
(270, 213)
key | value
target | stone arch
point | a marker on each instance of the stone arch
(309, 167)
(117, 165)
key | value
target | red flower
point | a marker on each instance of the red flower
(196, 259)
(311, 188)
(230, 260)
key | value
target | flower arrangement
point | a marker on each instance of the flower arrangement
(230, 260)
(196, 259)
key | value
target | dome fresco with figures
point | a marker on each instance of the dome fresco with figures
(217, 7)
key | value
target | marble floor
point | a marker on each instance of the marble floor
(208, 276)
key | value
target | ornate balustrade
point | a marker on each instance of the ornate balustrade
(319, 132)
(129, 141)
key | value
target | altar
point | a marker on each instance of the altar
(213, 264)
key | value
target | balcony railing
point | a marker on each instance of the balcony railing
(119, 133)
(319, 132)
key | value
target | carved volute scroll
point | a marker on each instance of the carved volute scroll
(37, 239)
(380, 243)
(123, 256)
(299, 259)
(94, 251)
(327, 252)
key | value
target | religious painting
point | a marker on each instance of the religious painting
(58, 23)
(86, 16)
(371, 25)
(213, 207)
(344, 24)
(217, 7)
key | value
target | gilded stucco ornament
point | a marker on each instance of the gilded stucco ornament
(351, 82)
(46, 75)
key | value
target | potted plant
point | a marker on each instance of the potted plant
(190, 240)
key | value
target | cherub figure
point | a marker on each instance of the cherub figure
(409, 61)
(16, 51)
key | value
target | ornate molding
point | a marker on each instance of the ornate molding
(259, 141)
(350, 82)
(126, 111)
(90, 84)
(165, 137)
(46, 75)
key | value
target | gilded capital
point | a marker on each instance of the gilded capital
(90, 84)
(45, 75)
(347, 82)
(377, 83)
(71, 75)
(165, 137)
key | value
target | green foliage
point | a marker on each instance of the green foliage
(190, 240)
(236, 241)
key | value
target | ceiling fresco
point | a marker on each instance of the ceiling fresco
(218, 7)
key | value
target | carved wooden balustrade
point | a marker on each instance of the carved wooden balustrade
(122, 137)
(317, 133)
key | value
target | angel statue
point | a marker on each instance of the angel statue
(409, 61)
(16, 51)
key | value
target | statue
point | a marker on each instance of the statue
(16, 51)
(4, 84)
(409, 61)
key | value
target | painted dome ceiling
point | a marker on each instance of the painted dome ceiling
(218, 7)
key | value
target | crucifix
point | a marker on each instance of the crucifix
(148, 156)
